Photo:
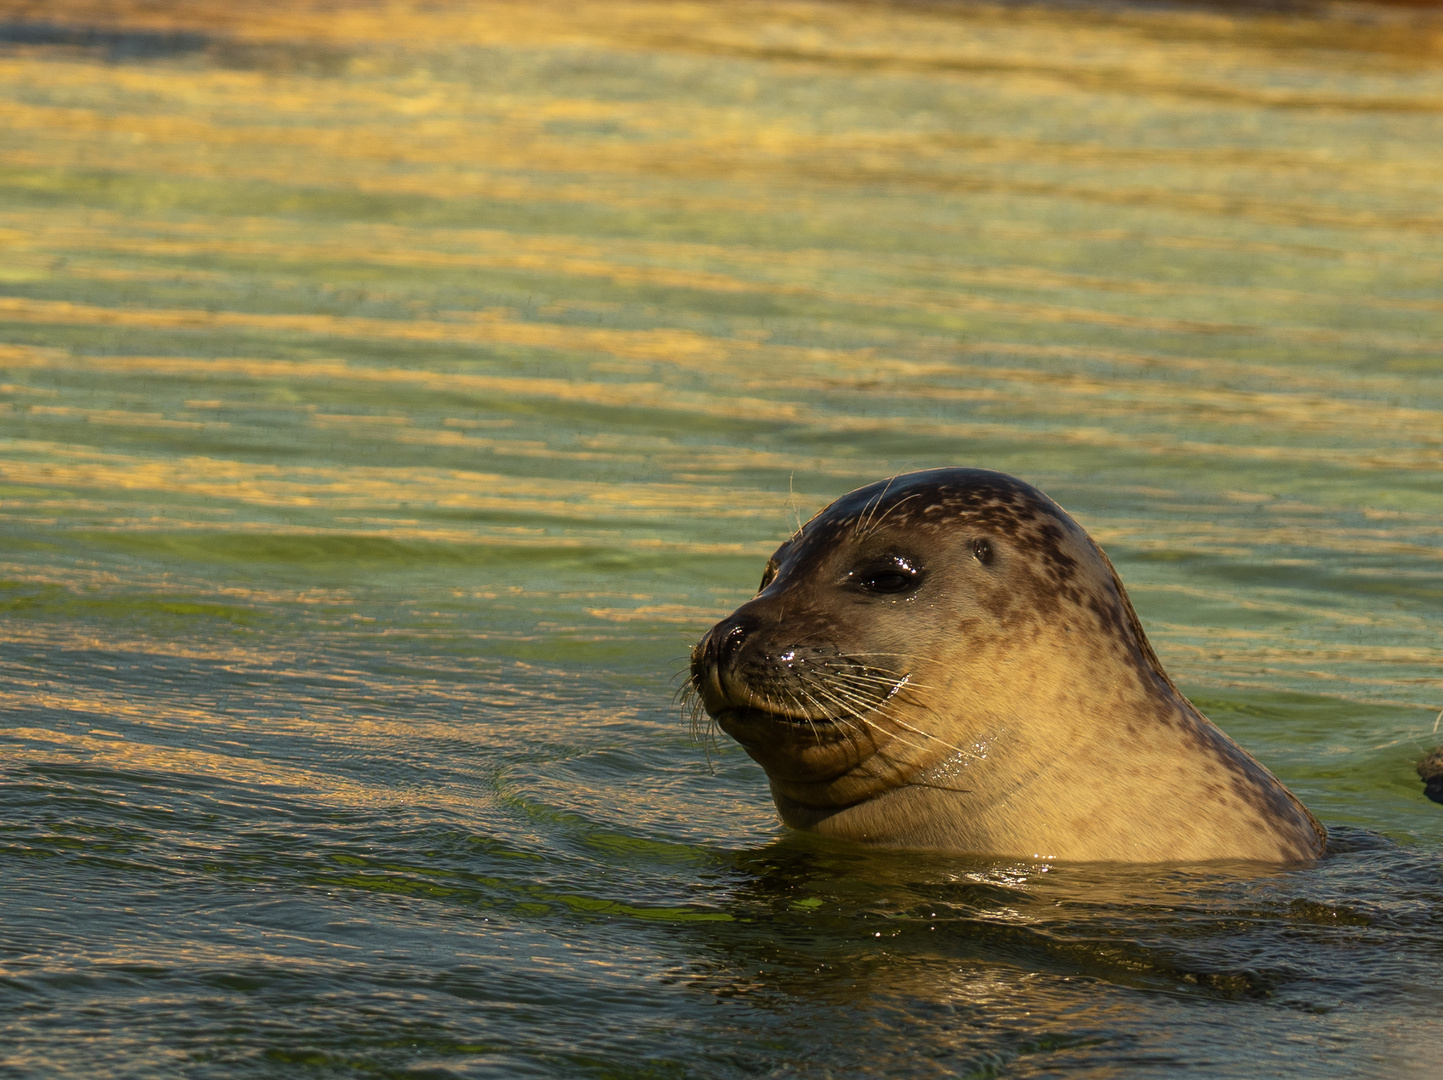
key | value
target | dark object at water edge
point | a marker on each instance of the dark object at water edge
(1431, 770)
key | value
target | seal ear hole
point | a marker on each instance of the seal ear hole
(768, 575)
(982, 551)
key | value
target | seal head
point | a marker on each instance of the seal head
(947, 661)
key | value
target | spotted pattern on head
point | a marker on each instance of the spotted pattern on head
(1001, 514)
(997, 512)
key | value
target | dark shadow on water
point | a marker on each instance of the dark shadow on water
(117, 45)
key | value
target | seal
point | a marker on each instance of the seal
(946, 661)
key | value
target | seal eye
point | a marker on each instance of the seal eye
(889, 581)
(892, 578)
(982, 551)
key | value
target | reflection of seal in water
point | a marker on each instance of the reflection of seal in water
(946, 661)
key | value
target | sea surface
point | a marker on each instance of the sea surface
(390, 394)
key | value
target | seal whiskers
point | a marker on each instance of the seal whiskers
(929, 736)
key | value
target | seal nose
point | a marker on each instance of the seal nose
(721, 644)
(728, 642)
(713, 661)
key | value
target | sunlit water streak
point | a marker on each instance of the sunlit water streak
(390, 397)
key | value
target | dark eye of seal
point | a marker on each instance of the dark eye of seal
(893, 577)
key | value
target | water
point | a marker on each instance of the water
(390, 402)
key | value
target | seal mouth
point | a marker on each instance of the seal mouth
(738, 706)
(786, 699)
(782, 737)
(749, 715)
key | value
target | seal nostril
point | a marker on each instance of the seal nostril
(722, 643)
(730, 642)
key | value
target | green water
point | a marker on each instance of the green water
(387, 409)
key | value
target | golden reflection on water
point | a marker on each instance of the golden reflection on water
(391, 392)
(662, 278)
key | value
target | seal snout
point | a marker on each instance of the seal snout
(725, 639)
(714, 658)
